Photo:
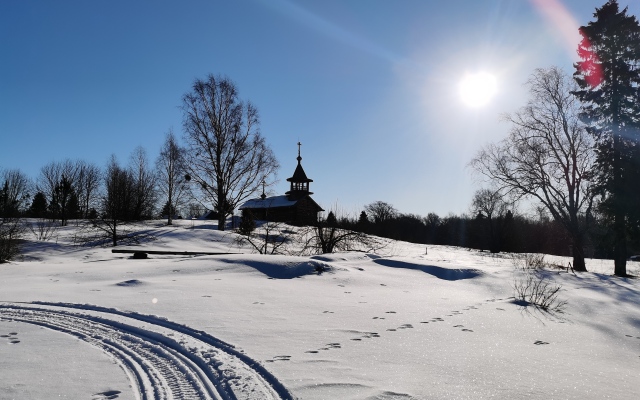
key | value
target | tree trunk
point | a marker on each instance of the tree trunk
(619, 223)
(221, 222)
(114, 235)
(578, 256)
(620, 244)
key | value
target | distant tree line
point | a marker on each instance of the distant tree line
(502, 230)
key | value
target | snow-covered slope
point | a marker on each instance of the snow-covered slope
(82, 322)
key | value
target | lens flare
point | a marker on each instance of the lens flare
(568, 29)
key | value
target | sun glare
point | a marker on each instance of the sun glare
(476, 90)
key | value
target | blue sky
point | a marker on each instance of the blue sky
(368, 86)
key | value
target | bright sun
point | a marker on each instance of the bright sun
(477, 89)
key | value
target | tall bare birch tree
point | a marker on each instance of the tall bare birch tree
(228, 159)
(548, 156)
(171, 171)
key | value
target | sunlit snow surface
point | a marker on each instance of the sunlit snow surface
(400, 324)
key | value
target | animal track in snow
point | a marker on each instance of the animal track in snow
(11, 337)
(108, 395)
(279, 358)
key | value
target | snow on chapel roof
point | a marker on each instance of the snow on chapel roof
(269, 202)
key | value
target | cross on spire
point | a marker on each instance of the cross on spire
(299, 158)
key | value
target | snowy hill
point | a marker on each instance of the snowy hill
(82, 322)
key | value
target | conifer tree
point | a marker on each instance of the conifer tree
(332, 221)
(609, 78)
(39, 206)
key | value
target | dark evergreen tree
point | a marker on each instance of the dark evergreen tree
(332, 221)
(8, 205)
(363, 223)
(609, 75)
(247, 223)
(39, 206)
(168, 210)
(73, 206)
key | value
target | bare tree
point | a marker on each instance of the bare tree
(117, 202)
(14, 192)
(495, 209)
(144, 190)
(268, 238)
(57, 181)
(547, 156)
(327, 236)
(380, 211)
(171, 170)
(16, 188)
(87, 186)
(228, 157)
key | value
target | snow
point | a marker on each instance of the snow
(82, 322)
(269, 202)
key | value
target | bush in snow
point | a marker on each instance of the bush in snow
(532, 288)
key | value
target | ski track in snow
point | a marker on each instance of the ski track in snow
(162, 359)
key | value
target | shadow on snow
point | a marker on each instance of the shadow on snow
(439, 272)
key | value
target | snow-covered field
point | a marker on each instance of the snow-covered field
(83, 323)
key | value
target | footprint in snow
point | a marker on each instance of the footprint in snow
(467, 330)
(367, 335)
(280, 358)
(405, 326)
(11, 337)
(108, 395)
(540, 342)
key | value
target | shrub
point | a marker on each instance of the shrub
(10, 234)
(529, 261)
(534, 289)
